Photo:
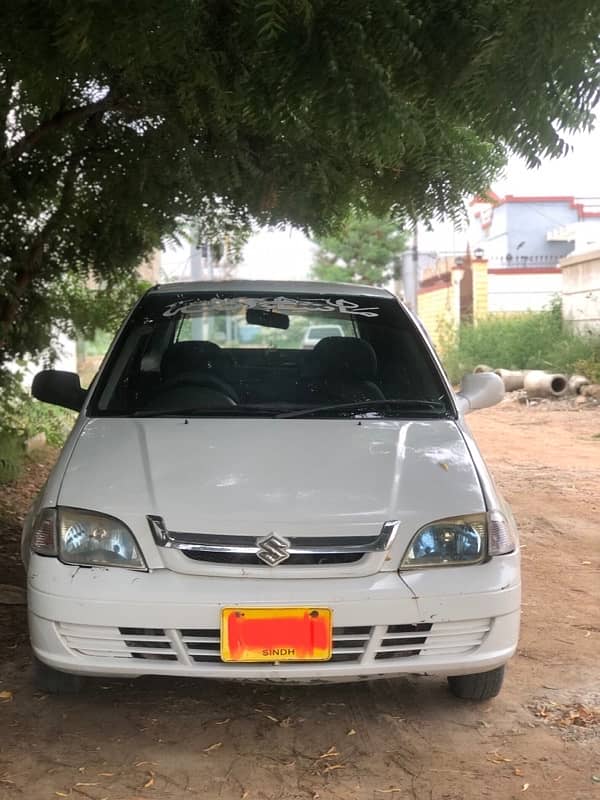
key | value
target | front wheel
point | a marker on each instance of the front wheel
(53, 681)
(481, 686)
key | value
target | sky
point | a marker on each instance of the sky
(287, 254)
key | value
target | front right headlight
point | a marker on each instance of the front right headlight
(89, 539)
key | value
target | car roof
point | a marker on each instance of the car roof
(279, 287)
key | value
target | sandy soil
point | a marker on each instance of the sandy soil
(158, 738)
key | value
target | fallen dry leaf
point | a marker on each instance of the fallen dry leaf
(351, 732)
(331, 753)
(146, 763)
(6, 695)
(499, 759)
(518, 772)
(525, 787)
(245, 795)
(61, 794)
(387, 791)
(331, 767)
(86, 784)
(106, 774)
(223, 721)
(212, 747)
(150, 781)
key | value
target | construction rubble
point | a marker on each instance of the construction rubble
(531, 387)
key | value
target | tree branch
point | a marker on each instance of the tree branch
(5, 97)
(61, 119)
(32, 260)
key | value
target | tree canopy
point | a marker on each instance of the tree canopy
(118, 120)
(365, 249)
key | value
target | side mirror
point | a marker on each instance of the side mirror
(479, 390)
(59, 388)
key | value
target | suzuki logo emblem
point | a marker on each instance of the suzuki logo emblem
(273, 549)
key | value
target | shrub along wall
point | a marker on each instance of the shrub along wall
(533, 340)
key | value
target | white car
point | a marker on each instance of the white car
(314, 334)
(271, 514)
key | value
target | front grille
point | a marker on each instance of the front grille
(273, 549)
(251, 560)
(455, 638)
(148, 643)
(100, 642)
(351, 644)
(403, 641)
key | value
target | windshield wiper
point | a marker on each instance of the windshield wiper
(225, 411)
(421, 407)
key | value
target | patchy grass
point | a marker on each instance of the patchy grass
(533, 340)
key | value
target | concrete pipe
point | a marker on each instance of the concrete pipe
(482, 368)
(576, 383)
(512, 379)
(538, 383)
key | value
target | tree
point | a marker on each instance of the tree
(365, 250)
(115, 126)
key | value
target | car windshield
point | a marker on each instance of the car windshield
(309, 356)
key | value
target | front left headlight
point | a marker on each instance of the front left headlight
(459, 541)
(448, 542)
(96, 540)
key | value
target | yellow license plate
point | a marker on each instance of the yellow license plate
(276, 634)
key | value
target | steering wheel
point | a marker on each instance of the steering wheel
(200, 382)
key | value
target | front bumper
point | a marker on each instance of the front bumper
(122, 623)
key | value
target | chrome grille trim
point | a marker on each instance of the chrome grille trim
(250, 545)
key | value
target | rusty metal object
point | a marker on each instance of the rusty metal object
(591, 390)
(576, 383)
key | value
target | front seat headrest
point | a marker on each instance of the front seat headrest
(186, 357)
(345, 356)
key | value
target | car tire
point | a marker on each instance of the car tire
(53, 681)
(481, 686)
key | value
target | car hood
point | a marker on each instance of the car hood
(254, 475)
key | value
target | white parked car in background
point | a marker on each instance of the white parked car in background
(271, 513)
(315, 333)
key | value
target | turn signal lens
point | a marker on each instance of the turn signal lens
(43, 540)
(501, 535)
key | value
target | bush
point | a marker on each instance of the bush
(12, 433)
(55, 422)
(533, 340)
(21, 417)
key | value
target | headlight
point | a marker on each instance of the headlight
(460, 541)
(97, 540)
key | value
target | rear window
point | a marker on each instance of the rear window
(206, 354)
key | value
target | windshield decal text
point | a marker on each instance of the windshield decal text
(277, 304)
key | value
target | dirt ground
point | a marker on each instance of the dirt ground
(159, 738)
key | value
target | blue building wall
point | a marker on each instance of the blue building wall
(518, 231)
